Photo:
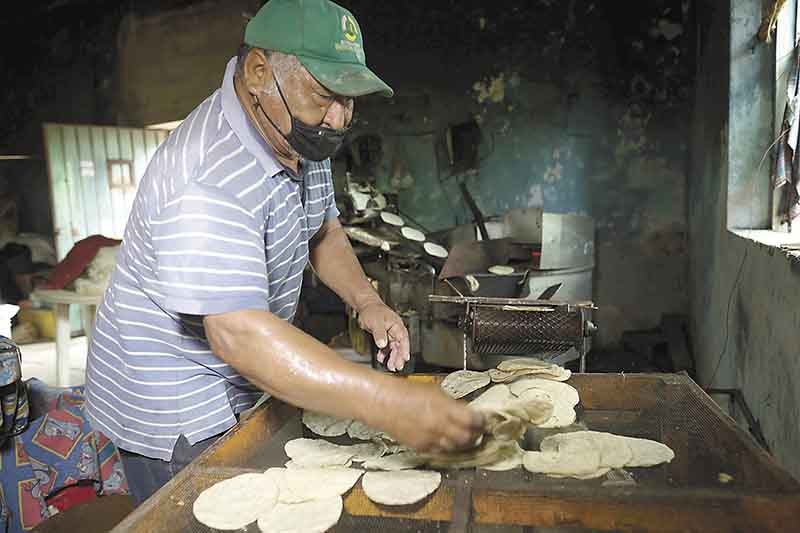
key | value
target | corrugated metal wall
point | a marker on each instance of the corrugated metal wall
(94, 172)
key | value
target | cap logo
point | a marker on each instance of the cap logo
(349, 28)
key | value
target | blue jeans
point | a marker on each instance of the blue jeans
(146, 475)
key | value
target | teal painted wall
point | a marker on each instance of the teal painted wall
(744, 294)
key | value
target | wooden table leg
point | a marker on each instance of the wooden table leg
(63, 339)
(87, 317)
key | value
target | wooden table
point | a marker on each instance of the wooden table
(61, 300)
(688, 495)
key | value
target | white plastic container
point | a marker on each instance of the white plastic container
(7, 312)
(576, 283)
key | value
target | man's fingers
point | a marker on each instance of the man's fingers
(381, 339)
(395, 357)
(399, 334)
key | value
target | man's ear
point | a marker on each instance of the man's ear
(257, 70)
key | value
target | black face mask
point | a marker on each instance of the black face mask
(315, 143)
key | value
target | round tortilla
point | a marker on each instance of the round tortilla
(523, 363)
(435, 250)
(496, 396)
(556, 389)
(391, 218)
(647, 452)
(367, 451)
(462, 382)
(501, 270)
(573, 458)
(400, 488)
(301, 485)
(616, 451)
(555, 373)
(325, 425)
(563, 413)
(412, 234)
(307, 453)
(510, 458)
(359, 430)
(314, 516)
(233, 503)
(397, 461)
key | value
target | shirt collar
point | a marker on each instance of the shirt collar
(242, 127)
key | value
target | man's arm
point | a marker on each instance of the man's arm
(285, 362)
(336, 265)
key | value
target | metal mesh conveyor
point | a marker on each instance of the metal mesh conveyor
(719, 481)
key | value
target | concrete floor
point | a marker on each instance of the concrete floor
(38, 361)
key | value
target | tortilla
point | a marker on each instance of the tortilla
(233, 503)
(533, 409)
(367, 451)
(647, 452)
(301, 485)
(400, 488)
(556, 389)
(391, 218)
(395, 448)
(314, 516)
(614, 452)
(571, 454)
(397, 461)
(489, 451)
(554, 373)
(359, 430)
(509, 459)
(308, 453)
(463, 382)
(520, 363)
(435, 250)
(412, 234)
(501, 270)
(325, 425)
(577, 458)
(497, 395)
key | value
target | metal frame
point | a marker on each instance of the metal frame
(519, 304)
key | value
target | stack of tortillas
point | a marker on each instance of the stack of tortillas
(325, 425)
(507, 417)
(535, 383)
(513, 369)
(397, 484)
(307, 501)
(591, 454)
(463, 382)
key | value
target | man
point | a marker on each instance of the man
(196, 321)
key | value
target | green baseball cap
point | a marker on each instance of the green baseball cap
(326, 39)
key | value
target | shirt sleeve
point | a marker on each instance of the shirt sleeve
(210, 254)
(330, 209)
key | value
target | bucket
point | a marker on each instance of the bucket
(576, 283)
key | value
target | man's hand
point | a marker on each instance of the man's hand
(429, 421)
(389, 332)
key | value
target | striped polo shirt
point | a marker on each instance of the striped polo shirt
(218, 225)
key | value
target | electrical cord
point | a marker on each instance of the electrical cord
(736, 281)
(728, 317)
